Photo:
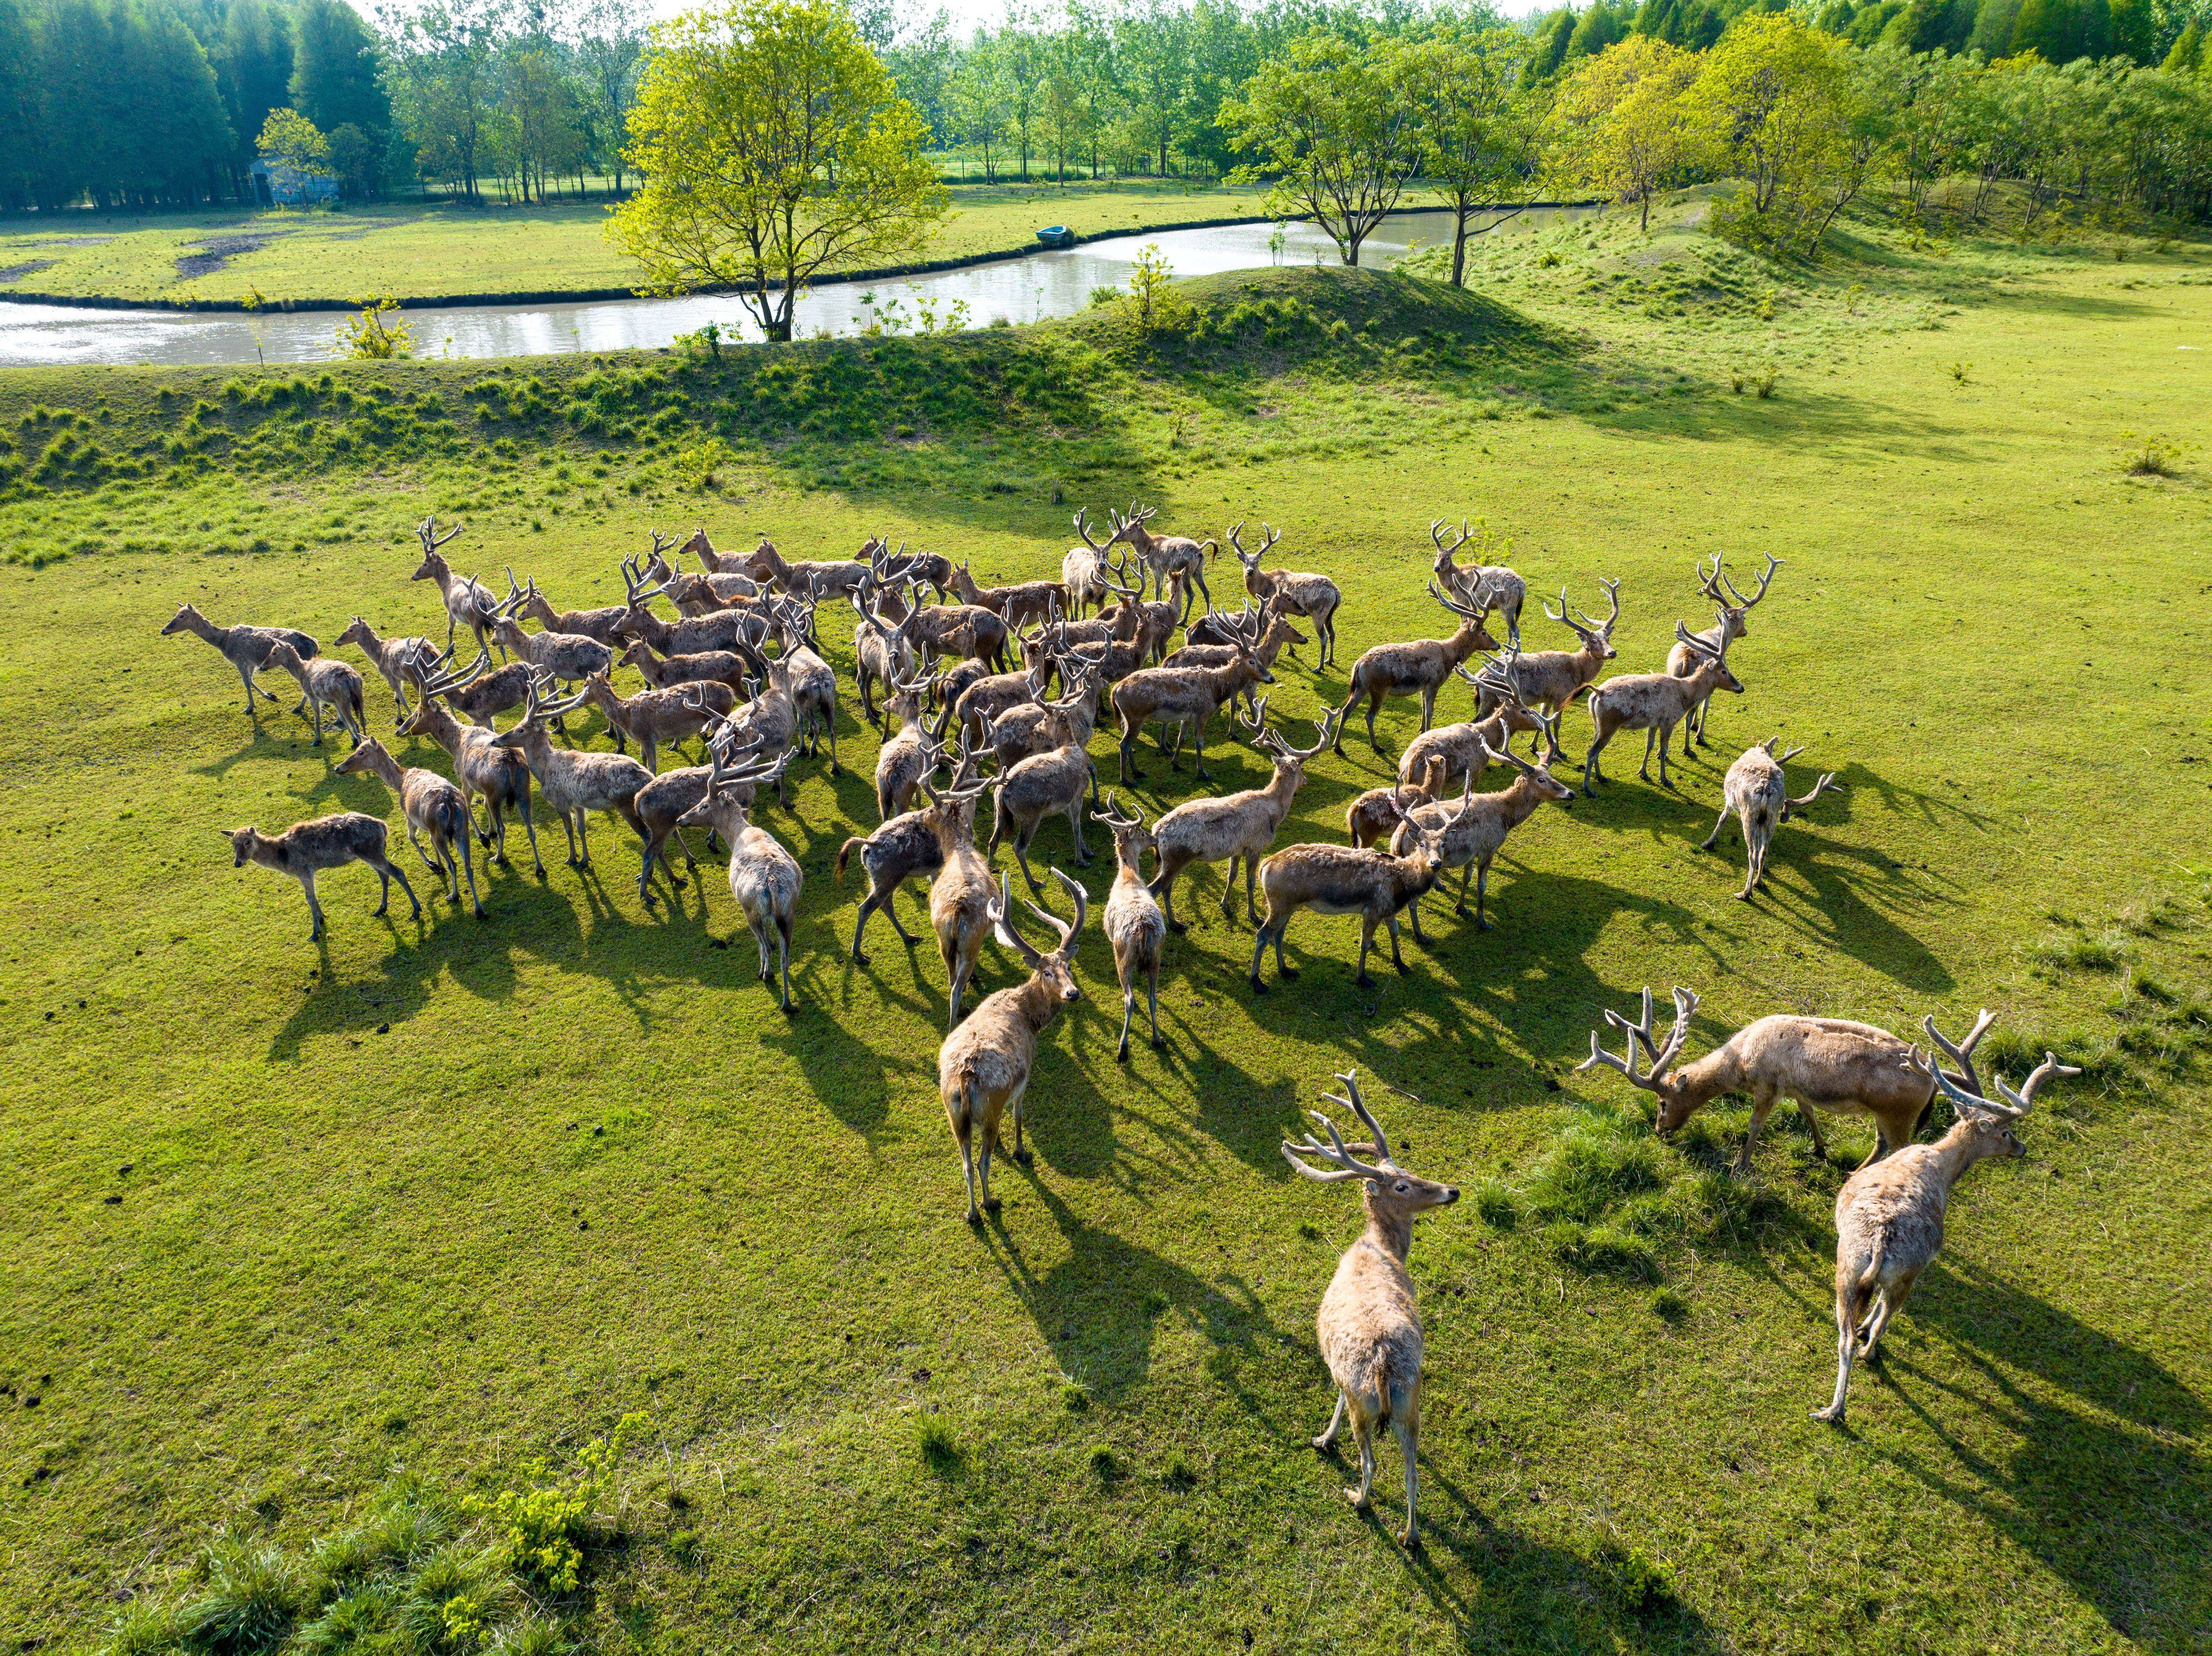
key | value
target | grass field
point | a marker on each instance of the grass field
(424, 250)
(427, 1208)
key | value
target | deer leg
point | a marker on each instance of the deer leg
(1373, 702)
(1021, 856)
(1128, 1013)
(1413, 908)
(318, 707)
(1405, 1426)
(1754, 857)
(1706, 844)
(1851, 1304)
(1466, 872)
(530, 827)
(1894, 1296)
(1812, 1124)
(568, 827)
(1396, 959)
(891, 914)
(1643, 770)
(1190, 603)
(315, 908)
(961, 1136)
(829, 724)
(1761, 1104)
(1327, 1438)
(1202, 775)
(1163, 886)
(1481, 885)
(1366, 942)
(783, 958)
(1251, 909)
(468, 868)
(1259, 948)
(1363, 1434)
(1428, 710)
(436, 868)
(1154, 1000)
(1075, 822)
(1128, 738)
(1283, 967)
(1591, 773)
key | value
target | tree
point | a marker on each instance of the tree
(336, 76)
(610, 45)
(290, 137)
(538, 116)
(1626, 120)
(1480, 137)
(1769, 93)
(979, 105)
(1153, 48)
(1331, 121)
(442, 74)
(772, 142)
(253, 71)
(1550, 51)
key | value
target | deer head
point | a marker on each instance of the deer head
(1389, 1192)
(1988, 1123)
(1057, 968)
(1594, 635)
(1675, 1103)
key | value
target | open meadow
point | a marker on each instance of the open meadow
(318, 1253)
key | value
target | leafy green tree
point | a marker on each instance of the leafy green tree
(772, 143)
(2059, 31)
(540, 131)
(1550, 51)
(1599, 27)
(1153, 46)
(442, 57)
(2188, 51)
(21, 107)
(1480, 137)
(980, 106)
(336, 74)
(610, 45)
(290, 137)
(1625, 119)
(1993, 26)
(253, 59)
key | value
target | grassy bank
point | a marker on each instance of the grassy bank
(444, 1199)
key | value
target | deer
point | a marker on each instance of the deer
(907, 756)
(1373, 815)
(765, 877)
(1728, 625)
(1461, 747)
(1155, 623)
(1083, 570)
(498, 776)
(477, 691)
(964, 630)
(723, 667)
(652, 717)
(1185, 698)
(391, 656)
(813, 686)
(1550, 679)
(1419, 668)
(575, 784)
(1296, 591)
(1753, 789)
(1045, 784)
(1654, 703)
(881, 650)
(1236, 826)
(960, 895)
(1345, 880)
(570, 658)
(1164, 554)
(1483, 587)
(909, 845)
(245, 648)
(833, 578)
(1369, 1327)
(1479, 828)
(887, 566)
(324, 682)
(469, 602)
(722, 630)
(714, 562)
(430, 804)
(1041, 727)
(1889, 1218)
(979, 706)
(1021, 604)
(307, 849)
(1269, 626)
(598, 623)
(770, 720)
(1827, 1064)
(1134, 925)
(983, 1067)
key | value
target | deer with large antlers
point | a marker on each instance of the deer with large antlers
(830, 578)
(391, 657)
(960, 895)
(574, 783)
(1373, 816)
(1655, 703)
(1182, 698)
(499, 776)
(469, 602)
(975, 709)
(566, 658)
(765, 877)
(910, 845)
(652, 717)
(1040, 727)
(1481, 587)
(245, 648)
(1420, 667)
(1728, 625)
(907, 754)
(1134, 925)
(1083, 570)
(324, 682)
(307, 849)
(479, 691)
(1296, 591)
(1370, 1324)
(1889, 1217)
(1465, 748)
(1550, 679)
(692, 634)
(1164, 555)
(1844, 1068)
(1024, 603)
(723, 667)
(1047, 785)
(1236, 826)
(1754, 790)
(966, 631)
(428, 805)
(881, 650)
(886, 566)
(599, 623)
(813, 685)
(1270, 626)
(983, 1067)
(1476, 831)
(1347, 880)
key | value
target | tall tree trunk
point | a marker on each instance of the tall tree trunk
(1459, 246)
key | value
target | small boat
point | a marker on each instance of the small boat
(1056, 235)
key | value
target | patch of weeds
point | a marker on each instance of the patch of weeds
(2143, 986)
(251, 1597)
(1598, 1161)
(2155, 455)
(1074, 1399)
(1959, 371)
(939, 1449)
(683, 1547)
(1669, 1305)
(1601, 1249)
(1106, 1465)
(1177, 1474)
(1495, 1202)
(1641, 1584)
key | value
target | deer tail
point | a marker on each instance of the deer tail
(844, 852)
(1379, 1382)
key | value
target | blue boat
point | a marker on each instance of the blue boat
(1056, 235)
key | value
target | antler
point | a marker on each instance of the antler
(426, 530)
(1661, 1059)
(2016, 1104)
(1613, 591)
(1083, 528)
(1459, 609)
(1346, 1165)
(1766, 580)
(1963, 1053)
(1235, 545)
(1436, 528)
(1112, 818)
(1705, 646)
(1709, 581)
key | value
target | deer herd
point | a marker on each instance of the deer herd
(1015, 678)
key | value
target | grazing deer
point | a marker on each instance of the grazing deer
(1295, 592)
(983, 1067)
(245, 648)
(1889, 1218)
(1021, 604)
(324, 682)
(1164, 555)
(1268, 626)
(477, 691)
(907, 846)
(1419, 668)
(575, 784)
(1344, 880)
(833, 578)
(1826, 1063)
(1550, 679)
(1370, 819)
(1134, 925)
(881, 650)
(1046, 784)
(1654, 703)
(307, 849)
(1236, 826)
(1480, 828)
(430, 804)
(765, 877)
(469, 602)
(391, 657)
(1682, 661)
(1369, 1326)
(960, 895)
(907, 756)
(1083, 570)
(1481, 587)
(1753, 789)
(1183, 699)
(652, 717)
(497, 775)
(723, 667)
(725, 629)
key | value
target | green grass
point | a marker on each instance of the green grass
(418, 249)
(448, 1200)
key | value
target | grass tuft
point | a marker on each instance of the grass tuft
(940, 1451)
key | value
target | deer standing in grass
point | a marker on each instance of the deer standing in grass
(428, 805)
(469, 602)
(1267, 625)
(324, 682)
(570, 658)
(1655, 703)
(652, 717)
(1370, 1324)
(1371, 818)
(1045, 784)
(881, 650)
(1185, 699)
(1021, 604)
(575, 784)
(1466, 747)
(907, 846)
(1134, 925)
(1889, 1217)
(1164, 555)
(1728, 625)
(1482, 587)
(983, 1067)
(391, 657)
(245, 648)
(833, 578)
(1241, 825)
(1346, 880)
(960, 895)
(907, 754)
(1823, 1063)
(499, 776)
(599, 623)
(1083, 570)
(765, 877)
(479, 691)
(1550, 679)
(723, 667)
(1754, 789)
(1296, 591)
(307, 849)
(813, 686)
(1479, 828)
(1419, 668)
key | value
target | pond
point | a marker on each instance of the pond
(1024, 288)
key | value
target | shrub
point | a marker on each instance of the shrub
(1600, 1160)
(1495, 1202)
(251, 1600)
(542, 1528)
(2156, 456)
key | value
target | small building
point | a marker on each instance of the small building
(279, 184)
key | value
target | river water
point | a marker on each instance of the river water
(1027, 288)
